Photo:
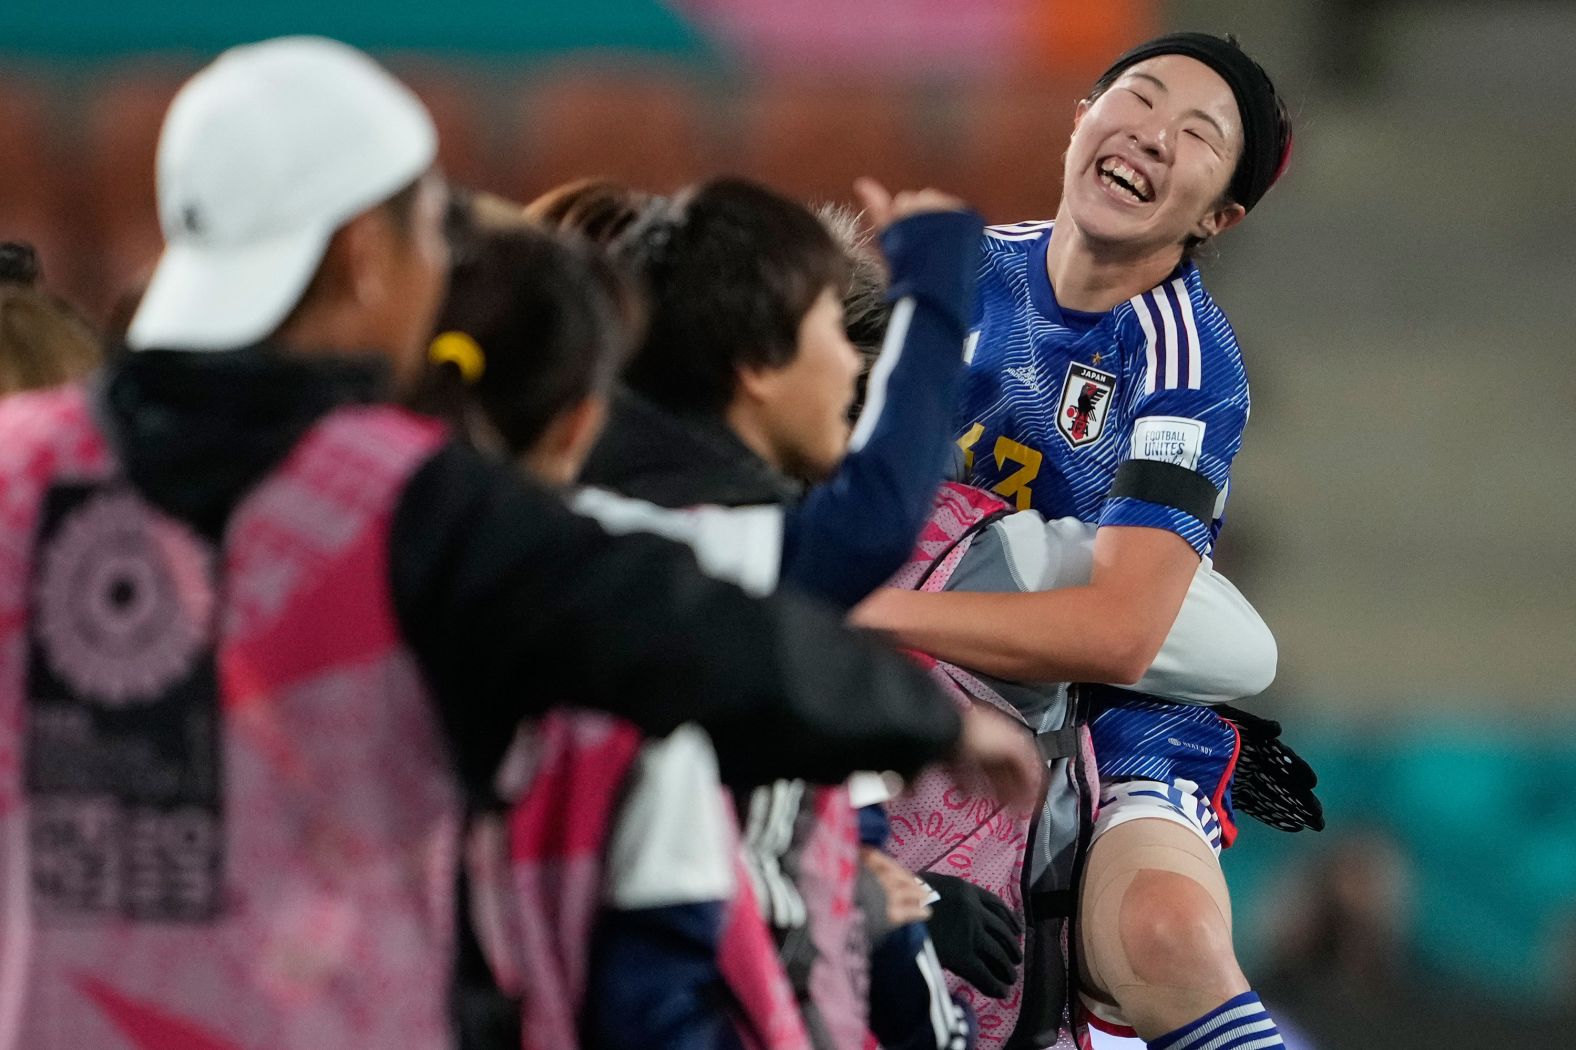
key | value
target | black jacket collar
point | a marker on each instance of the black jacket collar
(194, 431)
(650, 453)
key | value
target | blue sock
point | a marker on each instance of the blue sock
(1236, 1024)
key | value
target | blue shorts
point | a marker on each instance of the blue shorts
(1141, 738)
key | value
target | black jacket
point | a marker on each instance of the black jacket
(650, 453)
(511, 603)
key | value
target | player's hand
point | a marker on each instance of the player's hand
(881, 611)
(1001, 752)
(905, 895)
(976, 935)
(882, 208)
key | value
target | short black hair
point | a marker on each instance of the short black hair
(731, 269)
(554, 322)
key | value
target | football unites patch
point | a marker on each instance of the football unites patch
(1086, 399)
(1169, 439)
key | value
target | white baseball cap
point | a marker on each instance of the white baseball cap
(264, 154)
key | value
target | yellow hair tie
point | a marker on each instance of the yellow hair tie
(463, 351)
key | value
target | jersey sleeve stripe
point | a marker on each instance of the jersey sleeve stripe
(1185, 346)
(1195, 371)
(1170, 352)
(1146, 320)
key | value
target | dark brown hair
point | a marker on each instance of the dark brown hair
(554, 323)
(731, 268)
(597, 209)
(401, 207)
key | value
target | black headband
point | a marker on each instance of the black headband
(1266, 136)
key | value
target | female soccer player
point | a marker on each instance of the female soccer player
(1107, 384)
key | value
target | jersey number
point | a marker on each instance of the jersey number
(1016, 484)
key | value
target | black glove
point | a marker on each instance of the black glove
(976, 935)
(1273, 783)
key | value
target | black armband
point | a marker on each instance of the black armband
(1168, 485)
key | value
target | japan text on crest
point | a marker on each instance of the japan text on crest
(1086, 397)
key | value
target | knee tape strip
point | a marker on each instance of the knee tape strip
(1114, 864)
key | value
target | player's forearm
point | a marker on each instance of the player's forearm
(1071, 635)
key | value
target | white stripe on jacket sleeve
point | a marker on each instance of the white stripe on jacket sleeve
(881, 373)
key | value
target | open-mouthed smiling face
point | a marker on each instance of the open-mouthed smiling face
(1152, 156)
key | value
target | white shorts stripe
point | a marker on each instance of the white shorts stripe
(1135, 799)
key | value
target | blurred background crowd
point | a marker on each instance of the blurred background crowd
(1401, 511)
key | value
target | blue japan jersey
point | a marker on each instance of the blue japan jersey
(1130, 417)
(1055, 402)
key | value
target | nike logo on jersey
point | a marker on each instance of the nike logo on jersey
(1025, 375)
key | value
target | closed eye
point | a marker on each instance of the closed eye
(1205, 139)
(1142, 99)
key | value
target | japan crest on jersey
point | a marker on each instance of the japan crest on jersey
(1086, 397)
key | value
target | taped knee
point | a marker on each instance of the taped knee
(1155, 913)
(1173, 932)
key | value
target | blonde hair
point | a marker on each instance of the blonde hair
(865, 309)
(44, 341)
